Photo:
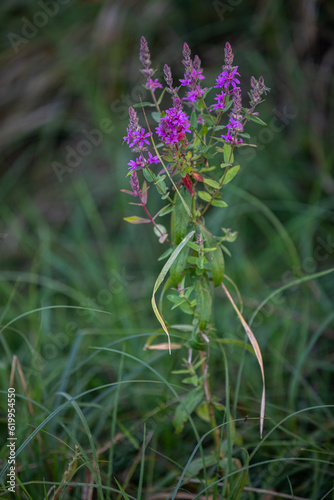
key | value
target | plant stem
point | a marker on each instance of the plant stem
(152, 220)
(207, 390)
(221, 185)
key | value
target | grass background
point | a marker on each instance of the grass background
(76, 280)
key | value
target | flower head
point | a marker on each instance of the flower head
(145, 58)
(152, 159)
(226, 78)
(235, 126)
(153, 84)
(193, 95)
(168, 77)
(174, 125)
(220, 105)
(134, 164)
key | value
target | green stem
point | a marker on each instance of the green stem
(220, 185)
(207, 390)
(152, 220)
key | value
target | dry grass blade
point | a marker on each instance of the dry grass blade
(163, 347)
(257, 351)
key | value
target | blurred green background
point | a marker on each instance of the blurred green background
(69, 71)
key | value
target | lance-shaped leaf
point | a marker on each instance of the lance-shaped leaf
(181, 216)
(203, 301)
(184, 410)
(162, 276)
(179, 265)
(136, 220)
(230, 174)
(258, 354)
(215, 258)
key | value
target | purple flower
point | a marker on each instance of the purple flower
(153, 84)
(235, 126)
(220, 105)
(191, 77)
(152, 159)
(228, 137)
(174, 125)
(185, 81)
(139, 137)
(128, 138)
(197, 74)
(193, 95)
(134, 164)
(226, 78)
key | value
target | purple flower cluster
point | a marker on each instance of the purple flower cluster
(228, 78)
(145, 59)
(136, 139)
(173, 126)
(174, 122)
(235, 126)
(192, 76)
(257, 89)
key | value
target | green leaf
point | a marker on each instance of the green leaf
(156, 116)
(184, 410)
(208, 119)
(191, 380)
(162, 276)
(219, 203)
(165, 254)
(141, 104)
(256, 119)
(160, 184)
(204, 130)
(193, 245)
(227, 152)
(196, 261)
(185, 307)
(179, 265)
(180, 217)
(212, 183)
(161, 96)
(200, 105)
(193, 120)
(216, 258)
(204, 196)
(203, 301)
(149, 175)
(203, 413)
(136, 220)
(231, 173)
(166, 210)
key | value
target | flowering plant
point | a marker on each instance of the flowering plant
(190, 162)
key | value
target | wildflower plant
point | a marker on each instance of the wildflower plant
(189, 157)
